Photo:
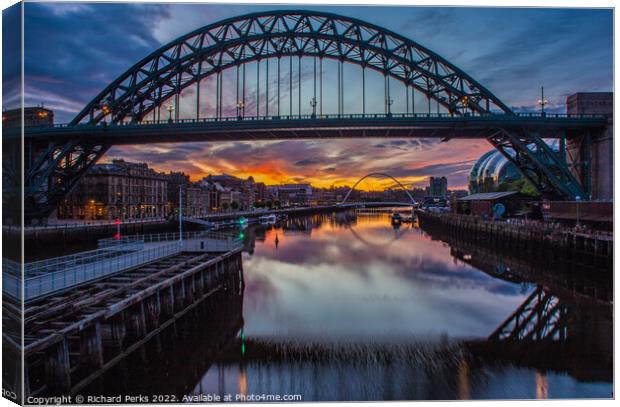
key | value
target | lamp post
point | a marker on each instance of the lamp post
(388, 103)
(105, 110)
(170, 109)
(240, 109)
(542, 101)
(313, 104)
(465, 103)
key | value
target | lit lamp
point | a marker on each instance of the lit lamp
(170, 109)
(542, 101)
(464, 104)
(105, 110)
(240, 109)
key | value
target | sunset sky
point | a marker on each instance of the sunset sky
(72, 51)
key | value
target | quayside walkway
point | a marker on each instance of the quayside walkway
(594, 248)
(46, 277)
(73, 336)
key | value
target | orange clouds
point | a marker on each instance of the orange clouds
(322, 163)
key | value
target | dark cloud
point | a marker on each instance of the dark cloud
(11, 57)
(76, 50)
(306, 162)
(433, 170)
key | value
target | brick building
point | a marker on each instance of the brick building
(33, 117)
(241, 191)
(119, 190)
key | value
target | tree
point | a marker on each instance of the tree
(234, 205)
(225, 206)
(521, 185)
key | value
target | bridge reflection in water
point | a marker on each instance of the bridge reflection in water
(560, 332)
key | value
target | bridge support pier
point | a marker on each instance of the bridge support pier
(591, 153)
(91, 347)
(58, 368)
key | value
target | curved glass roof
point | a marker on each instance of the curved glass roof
(492, 165)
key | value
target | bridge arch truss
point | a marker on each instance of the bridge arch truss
(54, 166)
(276, 34)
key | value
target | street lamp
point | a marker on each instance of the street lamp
(170, 109)
(105, 110)
(313, 104)
(240, 109)
(465, 102)
(388, 104)
(542, 101)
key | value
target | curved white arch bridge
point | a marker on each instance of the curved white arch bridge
(378, 174)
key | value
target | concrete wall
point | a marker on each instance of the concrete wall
(601, 148)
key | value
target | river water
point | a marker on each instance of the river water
(346, 306)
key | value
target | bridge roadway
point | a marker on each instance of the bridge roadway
(247, 128)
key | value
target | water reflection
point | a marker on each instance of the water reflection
(355, 280)
(345, 307)
(356, 276)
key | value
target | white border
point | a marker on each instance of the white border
(457, 3)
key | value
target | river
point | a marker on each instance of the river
(346, 306)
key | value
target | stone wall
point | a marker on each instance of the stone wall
(601, 148)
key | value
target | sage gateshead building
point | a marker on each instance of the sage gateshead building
(491, 169)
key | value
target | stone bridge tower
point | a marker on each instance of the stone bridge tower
(591, 155)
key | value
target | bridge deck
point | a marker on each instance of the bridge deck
(307, 127)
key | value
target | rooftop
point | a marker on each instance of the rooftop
(488, 196)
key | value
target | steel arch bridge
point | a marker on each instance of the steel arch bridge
(378, 174)
(129, 109)
(236, 41)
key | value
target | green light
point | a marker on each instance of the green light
(241, 235)
(243, 348)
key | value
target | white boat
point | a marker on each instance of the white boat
(267, 218)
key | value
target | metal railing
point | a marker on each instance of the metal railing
(226, 119)
(114, 255)
(11, 277)
(40, 285)
(76, 260)
(86, 223)
(164, 237)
